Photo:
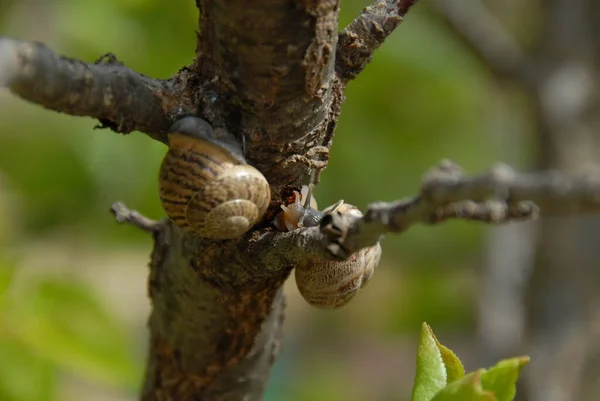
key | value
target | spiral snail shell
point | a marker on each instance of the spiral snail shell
(332, 284)
(327, 284)
(205, 184)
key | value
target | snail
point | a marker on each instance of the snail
(327, 284)
(206, 186)
(297, 214)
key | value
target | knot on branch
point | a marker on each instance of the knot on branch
(309, 164)
(336, 227)
(109, 59)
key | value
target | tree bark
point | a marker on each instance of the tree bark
(215, 325)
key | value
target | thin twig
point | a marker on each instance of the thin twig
(366, 33)
(120, 98)
(485, 36)
(125, 215)
(499, 196)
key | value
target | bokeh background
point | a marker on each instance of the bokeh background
(73, 304)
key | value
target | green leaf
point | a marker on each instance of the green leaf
(431, 375)
(467, 388)
(454, 367)
(502, 378)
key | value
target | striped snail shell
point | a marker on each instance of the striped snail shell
(327, 284)
(205, 184)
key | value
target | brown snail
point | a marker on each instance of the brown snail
(327, 284)
(205, 184)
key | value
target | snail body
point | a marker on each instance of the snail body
(327, 284)
(298, 214)
(205, 184)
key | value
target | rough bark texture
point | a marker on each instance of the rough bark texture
(205, 293)
(120, 98)
(265, 74)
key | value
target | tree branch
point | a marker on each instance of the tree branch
(216, 323)
(125, 215)
(364, 35)
(120, 98)
(485, 36)
(270, 70)
(498, 196)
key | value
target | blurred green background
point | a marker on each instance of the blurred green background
(73, 304)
